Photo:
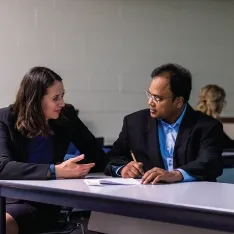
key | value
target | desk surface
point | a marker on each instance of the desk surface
(143, 201)
(199, 195)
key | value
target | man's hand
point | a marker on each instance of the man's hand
(156, 175)
(71, 170)
(132, 170)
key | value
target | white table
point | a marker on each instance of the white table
(198, 204)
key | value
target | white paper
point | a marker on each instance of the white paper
(228, 154)
(112, 181)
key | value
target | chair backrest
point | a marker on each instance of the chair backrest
(227, 176)
(72, 151)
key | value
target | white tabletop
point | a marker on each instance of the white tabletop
(201, 195)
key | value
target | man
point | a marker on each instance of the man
(170, 141)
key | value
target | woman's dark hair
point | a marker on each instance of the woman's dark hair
(180, 79)
(30, 119)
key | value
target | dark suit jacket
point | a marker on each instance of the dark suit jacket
(68, 128)
(197, 150)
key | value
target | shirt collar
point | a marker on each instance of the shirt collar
(178, 121)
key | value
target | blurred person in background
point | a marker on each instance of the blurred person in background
(212, 100)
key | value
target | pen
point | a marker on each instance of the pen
(133, 157)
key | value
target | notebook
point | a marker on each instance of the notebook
(112, 181)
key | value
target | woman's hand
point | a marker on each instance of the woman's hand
(70, 169)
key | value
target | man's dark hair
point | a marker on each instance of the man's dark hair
(180, 79)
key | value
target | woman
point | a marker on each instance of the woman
(34, 135)
(212, 101)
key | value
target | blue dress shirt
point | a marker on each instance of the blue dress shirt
(167, 134)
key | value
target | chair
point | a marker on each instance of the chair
(227, 176)
(67, 211)
(64, 228)
(72, 151)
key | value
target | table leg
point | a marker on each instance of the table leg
(2, 215)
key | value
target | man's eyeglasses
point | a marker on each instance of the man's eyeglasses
(155, 98)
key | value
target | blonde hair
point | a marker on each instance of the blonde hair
(212, 100)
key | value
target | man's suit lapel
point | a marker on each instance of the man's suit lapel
(182, 139)
(153, 143)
